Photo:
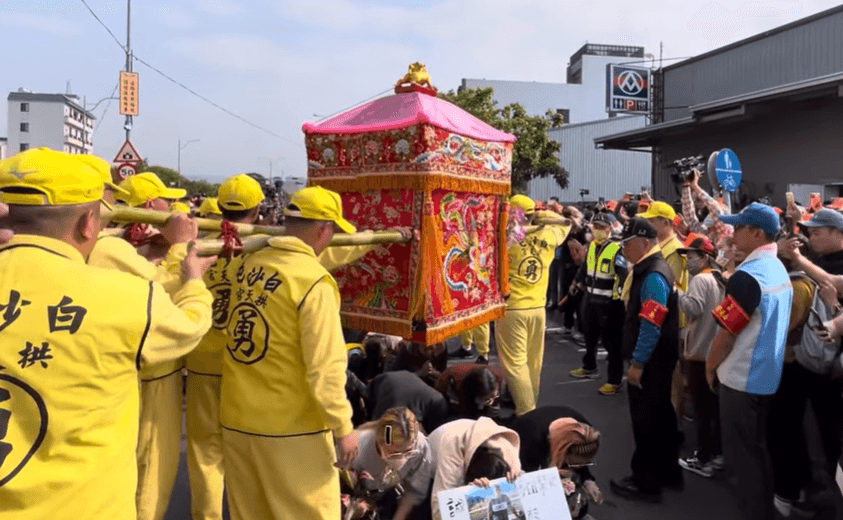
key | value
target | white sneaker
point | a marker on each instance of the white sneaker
(718, 463)
(796, 509)
(783, 506)
(694, 465)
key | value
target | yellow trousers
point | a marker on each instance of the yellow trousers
(159, 439)
(281, 478)
(204, 446)
(519, 336)
(479, 336)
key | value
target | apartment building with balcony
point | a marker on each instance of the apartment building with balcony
(57, 121)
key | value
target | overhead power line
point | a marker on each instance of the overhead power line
(209, 101)
(185, 87)
(379, 94)
(105, 110)
(227, 111)
(104, 26)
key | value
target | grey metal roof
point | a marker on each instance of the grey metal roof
(757, 37)
(48, 98)
(643, 134)
(831, 84)
(820, 83)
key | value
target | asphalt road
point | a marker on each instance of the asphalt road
(701, 499)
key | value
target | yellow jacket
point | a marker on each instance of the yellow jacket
(207, 359)
(529, 265)
(113, 252)
(678, 264)
(75, 336)
(285, 360)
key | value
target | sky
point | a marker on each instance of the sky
(278, 63)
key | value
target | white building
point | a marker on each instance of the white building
(4, 148)
(57, 121)
(582, 100)
(604, 173)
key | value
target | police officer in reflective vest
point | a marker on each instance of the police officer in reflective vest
(601, 277)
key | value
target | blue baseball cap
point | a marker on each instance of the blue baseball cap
(755, 215)
(825, 218)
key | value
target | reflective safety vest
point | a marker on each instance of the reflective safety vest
(601, 282)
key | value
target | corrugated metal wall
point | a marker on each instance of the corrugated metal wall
(800, 145)
(806, 51)
(605, 173)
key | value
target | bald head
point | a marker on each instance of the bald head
(77, 224)
(315, 233)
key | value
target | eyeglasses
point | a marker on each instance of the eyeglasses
(410, 452)
(401, 454)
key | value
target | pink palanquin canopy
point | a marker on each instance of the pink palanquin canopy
(414, 160)
(403, 110)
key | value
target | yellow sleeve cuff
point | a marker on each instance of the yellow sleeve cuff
(344, 430)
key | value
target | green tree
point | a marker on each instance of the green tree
(171, 177)
(534, 153)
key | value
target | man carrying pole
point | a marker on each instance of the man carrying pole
(83, 334)
(239, 199)
(519, 335)
(283, 404)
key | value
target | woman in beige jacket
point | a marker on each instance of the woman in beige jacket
(465, 450)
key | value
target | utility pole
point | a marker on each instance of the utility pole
(85, 124)
(178, 168)
(128, 124)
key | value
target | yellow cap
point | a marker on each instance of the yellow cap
(524, 202)
(658, 209)
(239, 193)
(179, 207)
(209, 206)
(317, 203)
(146, 186)
(52, 178)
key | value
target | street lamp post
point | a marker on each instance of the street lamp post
(178, 168)
(270, 165)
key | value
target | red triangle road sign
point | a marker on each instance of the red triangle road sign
(127, 153)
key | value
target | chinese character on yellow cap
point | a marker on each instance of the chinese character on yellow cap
(146, 186)
(527, 205)
(209, 206)
(240, 192)
(44, 177)
(659, 209)
(317, 203)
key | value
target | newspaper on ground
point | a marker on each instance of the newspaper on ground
(534, 496)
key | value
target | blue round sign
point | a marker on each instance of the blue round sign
(728, 169)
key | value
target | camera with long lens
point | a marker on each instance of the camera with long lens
(683, 168)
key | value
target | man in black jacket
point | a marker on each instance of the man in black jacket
(650, 335)
(788, 447)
